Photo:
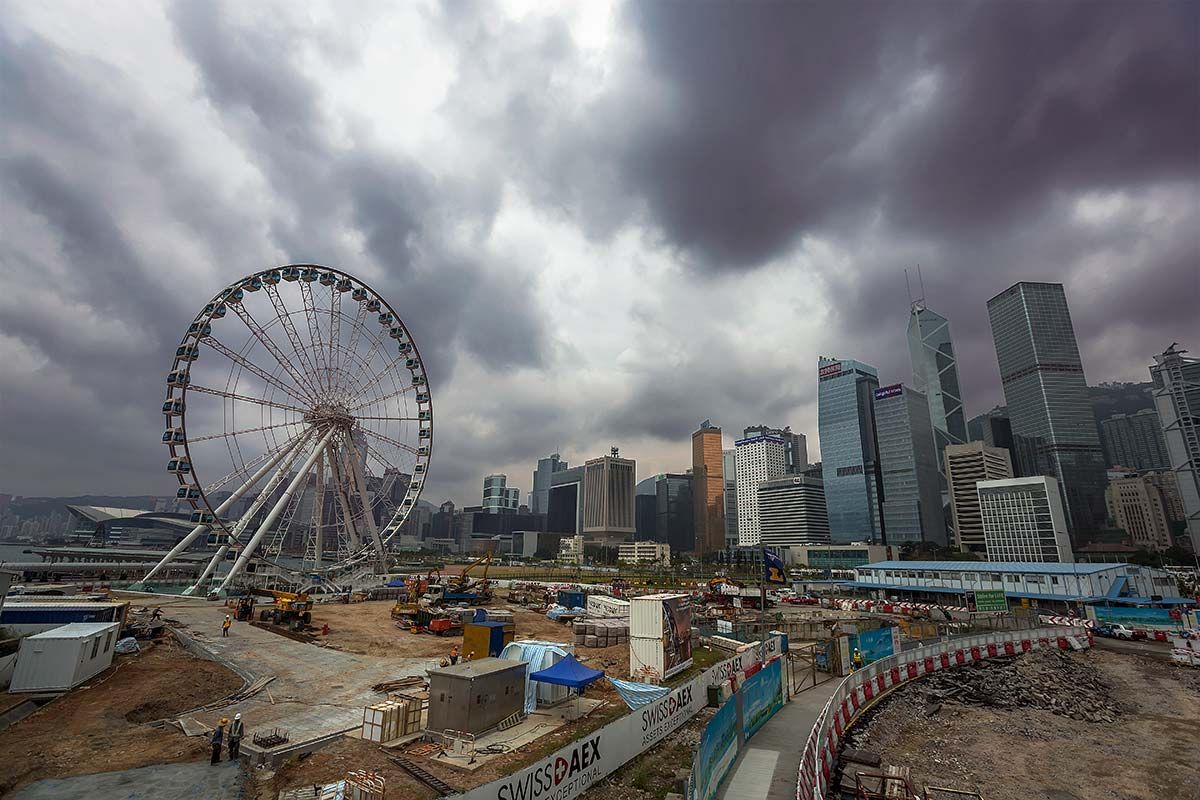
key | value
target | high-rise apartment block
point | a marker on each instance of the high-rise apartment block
(1024, 520)
(1177, 398)
(966, 465)
(498, 497)
(791, 512)
(1047, 397)
(729, 457)
(908, 456)
(539, 497)
(757, 459)
(608, 492)
(708, 490)
(796, 445)
(1134, 441)
(849, 450)
(1137, 507)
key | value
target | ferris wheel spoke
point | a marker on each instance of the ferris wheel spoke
(192, 387)
(254, 369)
(369, 403)
(391, 419)
(335, 330)
(314, 335)
(228, 434)
(406, 447)
(245, 468)
(358, 326)
(265, 339)
(385, 372)
(285, 319)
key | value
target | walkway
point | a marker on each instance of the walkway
(766, 768)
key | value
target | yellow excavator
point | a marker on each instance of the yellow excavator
(290, 608)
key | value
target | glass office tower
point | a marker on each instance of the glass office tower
(908, 461)
(849, 451)
(1047, 398)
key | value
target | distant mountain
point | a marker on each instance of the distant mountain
(1120, 398)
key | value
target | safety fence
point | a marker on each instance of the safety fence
(862, 689)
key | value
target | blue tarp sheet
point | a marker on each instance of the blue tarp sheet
(568, 672)
(637, 695)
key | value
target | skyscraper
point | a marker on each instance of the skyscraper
(1138, 507)
(539, 497)
(1047, 397)
(966, 465)
(791, 512)
(708, 490)
(498, 497)
(758, 458)
(729, 457)
(1177, 397)
(1134, 441)
(912, 508)
(608, 492)
(796, 445)
(849, 450)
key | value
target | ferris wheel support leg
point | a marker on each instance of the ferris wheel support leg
(293, 451)
(301, 476)
(202, 529)
(351, 529)
(368, 512)
(319, 513)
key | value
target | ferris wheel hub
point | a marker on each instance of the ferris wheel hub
(326, 415)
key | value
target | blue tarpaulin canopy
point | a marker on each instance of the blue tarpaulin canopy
(568, 672)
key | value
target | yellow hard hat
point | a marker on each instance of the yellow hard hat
(223, 721)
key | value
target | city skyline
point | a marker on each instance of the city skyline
(555, 290)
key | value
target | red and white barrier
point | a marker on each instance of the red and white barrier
(1078, 622)
(863, 687)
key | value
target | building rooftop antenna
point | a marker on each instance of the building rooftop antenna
(919, 303)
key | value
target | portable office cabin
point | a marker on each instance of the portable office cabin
(62, 658)
(476, 696)
(486, 638)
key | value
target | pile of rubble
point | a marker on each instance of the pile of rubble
(1052, 680)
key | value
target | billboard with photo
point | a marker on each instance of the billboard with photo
(677, 635)
(876, 644)
(762, 696)
(717, 752)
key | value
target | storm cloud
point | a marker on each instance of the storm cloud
(603, 222)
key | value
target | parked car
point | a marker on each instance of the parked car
(1115, 630)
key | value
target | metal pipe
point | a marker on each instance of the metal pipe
(355, 466)
(301, 476)
(248, 515)
(203, 528)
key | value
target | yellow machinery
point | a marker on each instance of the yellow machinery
(290, 608)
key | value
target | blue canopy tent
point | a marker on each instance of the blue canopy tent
(568, 672)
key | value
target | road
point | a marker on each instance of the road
(1160, 650)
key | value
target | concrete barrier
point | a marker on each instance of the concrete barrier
(862, 689)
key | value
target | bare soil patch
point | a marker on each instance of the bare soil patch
(95, 728)
(1129, 732)
(331, 764)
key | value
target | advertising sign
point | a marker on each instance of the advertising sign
(830, 369)
(762, 696)
(677, 635)
(987, 600)
(1135, 617)
(884, 392)
(717, 752)
(876, 644)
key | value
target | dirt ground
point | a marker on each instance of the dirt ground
(95, 728)
(1149, 751)
(333, 762)
(651, 775)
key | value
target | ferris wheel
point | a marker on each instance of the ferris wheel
(299, 425)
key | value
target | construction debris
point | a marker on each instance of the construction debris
(400, 684)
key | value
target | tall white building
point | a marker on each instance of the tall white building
(791, 512)
(1024, 520)
(1177, 398)
(756, 459)
(498, 497)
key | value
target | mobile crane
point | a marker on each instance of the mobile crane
(462, 588)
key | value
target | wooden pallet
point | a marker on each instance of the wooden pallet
(424, 777)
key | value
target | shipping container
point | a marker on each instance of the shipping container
(62, 658)
(649, 614)
(601, 605)
(486, 638)
(476, 696)
(571, 599)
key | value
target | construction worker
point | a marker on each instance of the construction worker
(218, 738)
(156, 615)
(453, 655)
(236, 731)
(225, 625)
(470, 656)
(325, 629)
(858, 659)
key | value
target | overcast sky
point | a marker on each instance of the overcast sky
(602, 225)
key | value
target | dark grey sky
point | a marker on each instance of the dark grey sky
(602, 227)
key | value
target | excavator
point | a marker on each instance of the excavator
(408, 606)
(462, 588)
(290, 608)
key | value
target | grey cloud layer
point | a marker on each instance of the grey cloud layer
(828, 145)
